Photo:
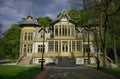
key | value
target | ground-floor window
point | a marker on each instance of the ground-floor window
(56, 46)
(73, 45)
(27, 48)
(40, 60)
(41, 48)
(65, 46)
(51, 46)
(78, 45)
(59, 46)
(86, 48)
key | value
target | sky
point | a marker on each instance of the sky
(11, 11)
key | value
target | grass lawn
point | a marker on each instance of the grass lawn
(115, 71)
(18, 72)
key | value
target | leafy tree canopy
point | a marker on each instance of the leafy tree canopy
(11, 41)
(44, 21)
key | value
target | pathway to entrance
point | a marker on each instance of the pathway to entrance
(75, 73)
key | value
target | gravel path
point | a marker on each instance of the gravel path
(76, 73)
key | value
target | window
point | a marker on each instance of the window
(60, 30)
(78, 46)
(70, 46)
(85, 35)
(27, 48)
(56, 30)
(63, 30)
(41, 48)
(73, 31)
(42, 35)
(51, 46)
(29, 36)
(86, 48)
(56, 46)
(68, 30)
(59, 46)
(73, 45)
(40, 60)
(25, 36)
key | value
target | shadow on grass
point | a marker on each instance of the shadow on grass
(26, 74)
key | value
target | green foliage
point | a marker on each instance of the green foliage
(2, 44)
(11, 41)
(76, 15)
(105, 13)
(18, 72)
(44, 21)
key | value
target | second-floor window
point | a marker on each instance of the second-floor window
(56, 30)
(64, 30)
(42, 35)
(27, 36)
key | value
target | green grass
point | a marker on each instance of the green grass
(115, 71)
(18, 72)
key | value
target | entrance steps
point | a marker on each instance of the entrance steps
(66, 61)
(24, 60)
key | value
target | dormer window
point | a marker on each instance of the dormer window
(29, 18)
(42, 35)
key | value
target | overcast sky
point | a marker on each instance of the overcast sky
(11, 11)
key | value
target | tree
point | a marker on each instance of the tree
(100, 11)
(1, 29)
(44, 21)
(113, 30)
(12, 41)
(78, 15)
(2, 44)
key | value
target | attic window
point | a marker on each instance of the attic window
(64, 16)
(29, 18)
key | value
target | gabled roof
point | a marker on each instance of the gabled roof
(64, 13)
(42, 29)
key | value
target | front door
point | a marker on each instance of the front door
(65, 48)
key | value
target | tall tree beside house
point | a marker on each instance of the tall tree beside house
(12, 41)
(1, 29)
(2, 45)
(101, 11)
(113, 30)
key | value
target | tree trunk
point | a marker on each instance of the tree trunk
(102, 32)
(88, 46)
(104, 56)
(115, 52)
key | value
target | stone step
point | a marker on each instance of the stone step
(25, 60)
(66, 61)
